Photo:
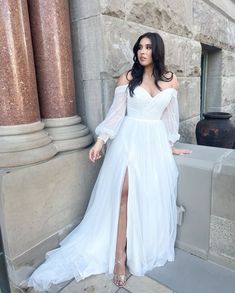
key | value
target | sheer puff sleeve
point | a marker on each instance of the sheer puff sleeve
(170, 118)
(113, 120)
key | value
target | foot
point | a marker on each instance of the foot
(119, 274)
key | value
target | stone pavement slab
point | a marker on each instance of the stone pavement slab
(191, 274)
(101, 284)
(93, 284)
(123, 290)
(145, 285)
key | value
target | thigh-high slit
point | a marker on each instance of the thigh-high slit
(142, 148)
(122, 221)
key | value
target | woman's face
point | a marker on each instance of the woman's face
(144, 52)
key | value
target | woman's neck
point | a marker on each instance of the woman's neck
(148, 72)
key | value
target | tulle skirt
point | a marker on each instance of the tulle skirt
(142, 148)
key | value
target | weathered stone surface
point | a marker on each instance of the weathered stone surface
(79, 93)
(146, 285)
(230, 109)
(222, 239)
(24, 144)
(223, 187)
(224, 6)
(194, 194)
(84, 9)
(189, 104)
(212, 27)
(183, 55)
(50, 202)
(120, 37)
(108, 87)
(114, 8)
(228, 63)
(222, 229)
(68, 133)
(228, 90)
(94, 100)
(171, 16)
(88, 44)
(187, 130)
(93, 103)
(120, 24)
(93, 284)
(53, 288)
(20, 267)
(101, 284)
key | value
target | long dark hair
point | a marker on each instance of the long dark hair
(158, 56)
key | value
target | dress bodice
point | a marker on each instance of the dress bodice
(163, 106)
(143, 106)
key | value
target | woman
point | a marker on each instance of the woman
(131, 217)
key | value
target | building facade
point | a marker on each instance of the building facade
(199, 39)
(50, 106)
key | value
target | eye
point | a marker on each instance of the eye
(139, 47)
(149, 47)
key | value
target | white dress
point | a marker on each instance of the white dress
(141, 128)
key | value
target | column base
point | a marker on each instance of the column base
(24, 144)
(68, 133)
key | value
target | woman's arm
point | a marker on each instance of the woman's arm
(109, 128)
(170, 118)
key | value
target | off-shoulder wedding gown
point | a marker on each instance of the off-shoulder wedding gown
(140, 129)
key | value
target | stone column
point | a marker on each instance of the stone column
(53, 57)
(22, 138)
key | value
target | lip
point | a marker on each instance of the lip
(143, 58)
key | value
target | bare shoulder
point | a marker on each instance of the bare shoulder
(124, 78)
(174, 82)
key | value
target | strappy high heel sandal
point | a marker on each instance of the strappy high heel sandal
(120, 279)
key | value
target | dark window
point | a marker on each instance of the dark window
(211, 62)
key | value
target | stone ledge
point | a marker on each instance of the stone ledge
(206, 190)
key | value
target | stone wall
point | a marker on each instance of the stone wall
(104, 32)
(222, 226)
(39, 205)
(228, 82)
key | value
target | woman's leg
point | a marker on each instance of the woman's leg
(120, 256)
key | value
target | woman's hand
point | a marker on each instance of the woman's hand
(176, 151)
(95, 151)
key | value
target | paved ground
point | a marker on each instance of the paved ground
(192, 274)
(101, 284)
(187, 274)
